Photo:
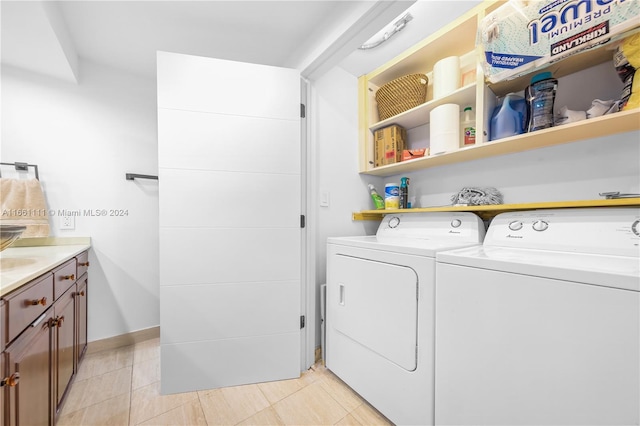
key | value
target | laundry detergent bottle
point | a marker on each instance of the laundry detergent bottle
(508, 118)
(540, 96)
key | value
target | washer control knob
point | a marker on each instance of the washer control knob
(635, 227)
(540, 225)
(516, 225)
(394, 221)
(456, 223)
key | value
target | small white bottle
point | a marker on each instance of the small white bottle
(468, 127)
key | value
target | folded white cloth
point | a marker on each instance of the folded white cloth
(567, 116)
(600, 107)
(22, 203)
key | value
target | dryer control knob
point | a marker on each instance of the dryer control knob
(516, 225)
(456, 223)
(394, 221)
(540, 225)
(635, 227)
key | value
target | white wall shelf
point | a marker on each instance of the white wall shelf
(458, 38)
(419, 115)
(624, 121)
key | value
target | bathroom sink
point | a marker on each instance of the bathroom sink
(8, 234)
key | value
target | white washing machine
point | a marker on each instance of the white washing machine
(541, 324)
(380, 309)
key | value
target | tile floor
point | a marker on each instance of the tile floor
(121, 387)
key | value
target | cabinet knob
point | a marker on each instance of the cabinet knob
(59, 321)
(83, 263)
(37, 302)
(80, 293)
(69, 277)
(11, 381)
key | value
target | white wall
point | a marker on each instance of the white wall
(84, 138)
(334, 110)
(574, 171)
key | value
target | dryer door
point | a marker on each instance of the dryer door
(376, 305)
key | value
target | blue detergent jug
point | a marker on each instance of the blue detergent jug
(509, 118)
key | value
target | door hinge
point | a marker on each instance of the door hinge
(303, 221)
(303, 111)
(301, 321)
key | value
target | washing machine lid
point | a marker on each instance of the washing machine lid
(621, 272)
(425, 247)
(604, 230)
(421, 234)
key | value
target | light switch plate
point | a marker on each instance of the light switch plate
(324, 198)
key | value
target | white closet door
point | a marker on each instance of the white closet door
(230, 237)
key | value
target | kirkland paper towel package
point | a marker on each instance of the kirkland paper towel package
(522, 36)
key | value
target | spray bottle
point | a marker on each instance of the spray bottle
(404, 192)
(377, 199)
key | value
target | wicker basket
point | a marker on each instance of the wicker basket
(401, 94)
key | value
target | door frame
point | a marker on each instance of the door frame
(348, 34)
(308, 237)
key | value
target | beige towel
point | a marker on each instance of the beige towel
(22, 203)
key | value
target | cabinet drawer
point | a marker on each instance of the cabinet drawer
(83, 263)
(64, 276)
(24, 306)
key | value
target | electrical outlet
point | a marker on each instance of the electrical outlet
(67, 222)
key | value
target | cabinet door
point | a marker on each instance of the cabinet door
(64, 344)
(3, 385)
(3, 326)
(81, 317)
(29, 366)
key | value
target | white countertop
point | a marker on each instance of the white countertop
(21, 264)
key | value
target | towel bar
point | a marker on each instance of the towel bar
(132, 176)
(22, 167)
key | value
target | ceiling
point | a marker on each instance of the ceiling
(428, 17)
(128, 34)
(52, 37)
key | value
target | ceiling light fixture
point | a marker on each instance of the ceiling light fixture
(397, 27)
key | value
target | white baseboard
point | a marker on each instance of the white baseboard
(124, 340)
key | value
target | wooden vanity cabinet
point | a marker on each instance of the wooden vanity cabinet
(81, 297)
(64, 360)
(2, 364)
(2, 390)
(27, 304)
(28, 375)
(42, 343)
(64, 277)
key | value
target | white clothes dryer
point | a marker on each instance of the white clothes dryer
(540, 325)
(380, 309)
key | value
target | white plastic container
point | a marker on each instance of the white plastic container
(391, 196)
